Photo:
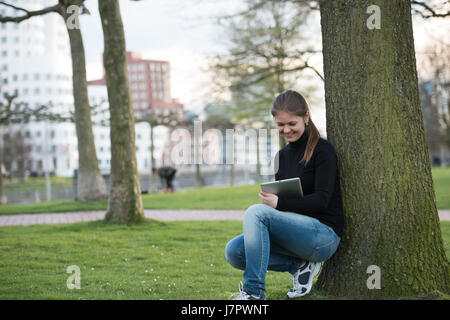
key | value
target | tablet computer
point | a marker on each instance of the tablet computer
(287, 187)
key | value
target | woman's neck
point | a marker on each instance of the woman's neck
(300, 142)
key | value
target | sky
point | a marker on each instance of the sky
(184, 33)
(179, 31)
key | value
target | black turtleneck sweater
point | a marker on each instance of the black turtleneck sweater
(320, 182)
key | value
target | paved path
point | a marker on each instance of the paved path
(163, 215)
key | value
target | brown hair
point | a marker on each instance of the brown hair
(293, 102)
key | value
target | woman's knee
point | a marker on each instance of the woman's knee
(235, 252)
(256, 211)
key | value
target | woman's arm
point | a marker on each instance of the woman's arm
(324, 183)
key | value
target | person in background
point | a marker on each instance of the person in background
(167, 175)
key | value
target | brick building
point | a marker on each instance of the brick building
(149, 82)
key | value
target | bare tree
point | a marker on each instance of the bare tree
(12, 112)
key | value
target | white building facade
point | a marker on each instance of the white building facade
(35, 64)
(98, 96)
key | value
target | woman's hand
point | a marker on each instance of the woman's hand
(269, 198)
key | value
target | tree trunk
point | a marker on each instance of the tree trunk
(374, 121)
(125, 202)
(1, 173)
(90, 185)
(258, 159)
(154, 175)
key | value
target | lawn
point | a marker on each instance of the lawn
(238, 197)
(160, 260)
(176, 260)
(441, 179)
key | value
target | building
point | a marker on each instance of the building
(149, 82)
(434, 98)
(35, 64)
(98, 96)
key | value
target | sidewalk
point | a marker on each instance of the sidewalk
(163, 215)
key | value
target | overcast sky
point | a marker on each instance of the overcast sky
(183, 32)
(180, 31)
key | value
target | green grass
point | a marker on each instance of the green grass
(176, 260)
(52, 206)
(160, 260)
(238, 197)
(445, 228)
(441, 179)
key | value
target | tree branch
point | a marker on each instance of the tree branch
(28, 14)
(432, 11)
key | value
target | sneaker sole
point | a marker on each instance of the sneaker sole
(296, 294)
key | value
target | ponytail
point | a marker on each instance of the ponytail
(313, 139)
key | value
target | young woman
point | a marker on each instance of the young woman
(292, 234)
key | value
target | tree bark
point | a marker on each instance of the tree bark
(125, 202)
(90, 185)
(374, 121)
(1, 173)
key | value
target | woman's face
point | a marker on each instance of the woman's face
(290, 126)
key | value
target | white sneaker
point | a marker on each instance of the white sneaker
(303, 279)
(242, 295)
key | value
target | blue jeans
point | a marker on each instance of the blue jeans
(279, 241)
